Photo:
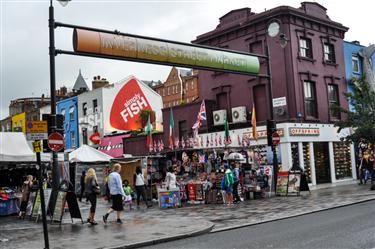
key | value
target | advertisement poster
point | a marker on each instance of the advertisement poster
(268, 171)
(282, 183)
(168, 199)
(294, 183)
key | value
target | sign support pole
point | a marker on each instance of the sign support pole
(43, 204)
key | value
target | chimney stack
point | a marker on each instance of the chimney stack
(99, 82)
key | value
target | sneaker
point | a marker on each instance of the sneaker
(105, 218)
(93, 223)
(119, 221)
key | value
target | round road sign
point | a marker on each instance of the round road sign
(56, 142)
(275, 138)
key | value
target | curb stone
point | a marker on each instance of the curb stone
(164, 239)
(286, 217)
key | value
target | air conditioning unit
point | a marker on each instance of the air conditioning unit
(219, 117)
(239, 114)
(280, 113)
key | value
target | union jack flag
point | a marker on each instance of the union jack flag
(201, 116)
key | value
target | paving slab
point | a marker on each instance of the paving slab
(149, 226)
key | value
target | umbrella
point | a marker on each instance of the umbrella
(235, 156)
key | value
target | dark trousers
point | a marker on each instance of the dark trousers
(141, 191)
(235, 191)
(92, 198)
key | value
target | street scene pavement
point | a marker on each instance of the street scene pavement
(346, 227)
(150, 226)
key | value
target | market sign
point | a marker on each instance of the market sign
(36, 130)
(304, 131)
(151, 50)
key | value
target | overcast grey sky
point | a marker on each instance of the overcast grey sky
(24, 35)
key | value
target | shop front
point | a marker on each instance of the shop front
(320, 151)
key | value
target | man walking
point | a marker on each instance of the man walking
(117, 193)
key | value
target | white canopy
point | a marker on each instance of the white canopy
(88, 154)
(14, 148)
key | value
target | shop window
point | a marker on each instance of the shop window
(183, 129)
(343, 163)
(355, 64)
(305, 47)
(63, 112)
(306, 161)
(84, 109)
(222, 101)
(295, 155)
(333, 98)
(260, 97)
(95, 105)
(329, 53)
(310, 99)
(73, 139)
(84, 136)
(71, 113)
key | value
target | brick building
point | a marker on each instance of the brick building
(306, 59)
(181, 86)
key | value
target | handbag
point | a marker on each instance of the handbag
(96, 189)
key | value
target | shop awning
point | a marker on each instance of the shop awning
(86, 154)
(112, 145)
(14, 148)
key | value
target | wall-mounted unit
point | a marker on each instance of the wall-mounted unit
(219, 117)
(239, 114)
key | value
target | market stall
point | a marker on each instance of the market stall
(16, 161)
(86, 157)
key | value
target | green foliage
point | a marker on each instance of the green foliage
(362, 117)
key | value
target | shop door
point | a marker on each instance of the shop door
(321, 159)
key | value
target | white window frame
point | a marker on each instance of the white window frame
(355, 59)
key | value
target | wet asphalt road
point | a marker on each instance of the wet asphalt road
(347, 227)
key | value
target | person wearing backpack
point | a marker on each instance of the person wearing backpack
(228, 180)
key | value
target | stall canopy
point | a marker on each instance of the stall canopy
(14, 148)
(86, 154)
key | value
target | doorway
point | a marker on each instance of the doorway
(322, 168)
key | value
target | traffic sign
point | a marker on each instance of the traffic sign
(36, 130)
(37, 146)
(275, 138)
(55, 142)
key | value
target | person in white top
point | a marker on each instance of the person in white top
(117, 193)
(140, 186)
(170, 178)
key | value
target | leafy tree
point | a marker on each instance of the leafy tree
(362, 116)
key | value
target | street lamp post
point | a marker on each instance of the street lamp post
(273, 30)
(53, 127)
